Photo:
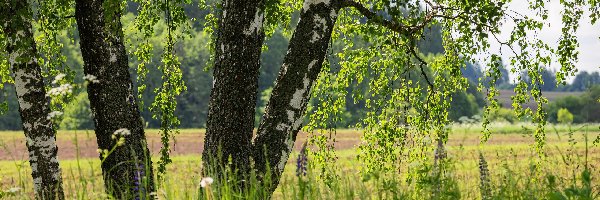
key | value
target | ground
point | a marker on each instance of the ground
(509, 144)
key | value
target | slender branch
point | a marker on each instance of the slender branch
(372, 16)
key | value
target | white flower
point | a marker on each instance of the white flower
(13, 190)
(60, 90)
(58, 77)
(206, 181)
(122, 131)
(91, 78)
(53, 114)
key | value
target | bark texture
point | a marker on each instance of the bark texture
(233, 98)
(128, 170)
(16, 18)
(287, 105)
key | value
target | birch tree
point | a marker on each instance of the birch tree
(16, 19)
(127, 167)
(392, 30)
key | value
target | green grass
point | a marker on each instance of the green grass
(508, 153)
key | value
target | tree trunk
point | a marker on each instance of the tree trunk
(128, 170)
(301, 67)
(33, 104)
(233, 98)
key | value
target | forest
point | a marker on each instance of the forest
(313, 99)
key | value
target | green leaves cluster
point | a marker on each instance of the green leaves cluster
(165, 102)
(407, 94)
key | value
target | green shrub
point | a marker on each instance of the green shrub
(503, 115)
(78, 115)
(564, 116)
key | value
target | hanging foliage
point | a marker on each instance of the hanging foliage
(165, 103)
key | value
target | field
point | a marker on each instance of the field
(508, 153)
(505, 98)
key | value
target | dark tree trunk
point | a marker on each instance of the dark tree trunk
(128, 170)
(33, 104)
(233, 97)
(301, 67)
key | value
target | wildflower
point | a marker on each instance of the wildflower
(99, 150)
(53, 114)
(122, 132)
(206, 181)
(60, 90)
(13, 190)
(302, 162)
(91, 78)
(58, 78)
(138, 181)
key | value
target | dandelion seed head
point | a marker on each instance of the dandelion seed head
(206, 181)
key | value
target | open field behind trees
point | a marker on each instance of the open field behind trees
(508, 153)
(505, 97)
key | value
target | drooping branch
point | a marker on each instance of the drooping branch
(405, 29)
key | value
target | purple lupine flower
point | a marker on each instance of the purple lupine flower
(138, 187)
(302, 161)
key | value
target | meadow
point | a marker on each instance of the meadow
(570, 169)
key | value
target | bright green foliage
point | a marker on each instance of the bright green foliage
(4, 73)
(583, 107)
(564, 116)
(51, 21)
(165, 102)
(78, 115)
(55, 17)
(503, 115)
(406, 118)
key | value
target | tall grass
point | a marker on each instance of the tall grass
(496, 171)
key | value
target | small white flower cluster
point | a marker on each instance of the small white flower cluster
(91, 78)
(206, 181)
(60, 90)
(58, 78)
(53, 114)
(122, 131)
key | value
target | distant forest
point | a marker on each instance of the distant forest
(195, 58)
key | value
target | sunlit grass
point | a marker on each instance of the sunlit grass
(507, 154)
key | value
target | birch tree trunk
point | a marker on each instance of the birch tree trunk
(16, 19)
(287, 105)
(233, 98)
(128, 170)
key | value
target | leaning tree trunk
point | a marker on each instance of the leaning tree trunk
(128, 170)
(301, 66)
(233, 98)
(33, 104)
